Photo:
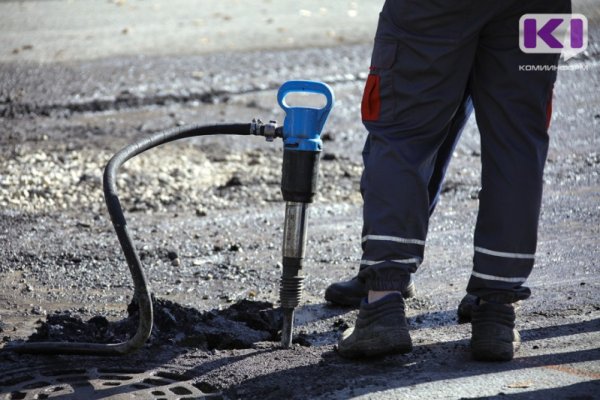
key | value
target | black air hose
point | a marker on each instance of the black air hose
(141, 291)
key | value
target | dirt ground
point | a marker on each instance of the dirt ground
(206, 217)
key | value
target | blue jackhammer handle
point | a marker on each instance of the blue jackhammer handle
(307, 87)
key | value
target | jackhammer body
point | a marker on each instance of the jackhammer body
(302, 147)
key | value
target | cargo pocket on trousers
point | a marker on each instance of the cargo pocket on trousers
(378, 99)
(370, 106)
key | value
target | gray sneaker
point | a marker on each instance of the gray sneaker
(350, 293)
(493, 333)
(380, 329)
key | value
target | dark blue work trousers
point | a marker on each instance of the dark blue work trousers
(434, 61)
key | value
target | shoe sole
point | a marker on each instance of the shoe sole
(342, 299)
(385, 344)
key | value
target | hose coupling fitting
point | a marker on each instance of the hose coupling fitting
(269, 130)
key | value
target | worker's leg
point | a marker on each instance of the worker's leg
(415, 88)
(352, 291)
(511, 107)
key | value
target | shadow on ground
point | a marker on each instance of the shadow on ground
(333, 372)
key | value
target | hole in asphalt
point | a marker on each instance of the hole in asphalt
(236, 327)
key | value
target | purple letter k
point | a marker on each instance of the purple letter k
(545, 33)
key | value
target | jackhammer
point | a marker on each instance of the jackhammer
(302, 147)
(301, 152)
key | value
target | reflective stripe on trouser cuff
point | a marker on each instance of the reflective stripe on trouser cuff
(497, 278)
(396, 239)
(504, 254)
(404, 261)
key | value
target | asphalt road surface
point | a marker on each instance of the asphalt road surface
(80, 79)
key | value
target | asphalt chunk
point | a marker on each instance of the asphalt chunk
(239, 326)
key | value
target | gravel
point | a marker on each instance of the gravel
(44, 181)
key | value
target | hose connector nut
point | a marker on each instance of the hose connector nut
(269, 131)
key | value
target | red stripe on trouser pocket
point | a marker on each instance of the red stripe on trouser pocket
(371, 103)
(549, 109)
